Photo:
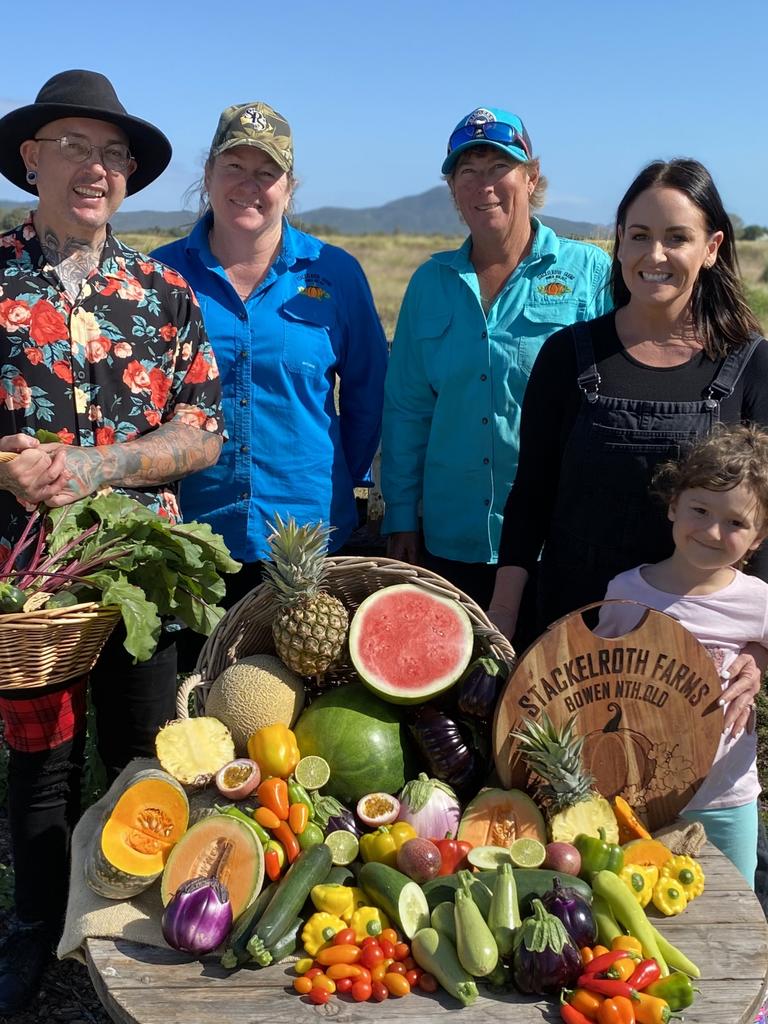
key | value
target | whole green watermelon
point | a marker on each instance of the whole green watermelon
(361, 737)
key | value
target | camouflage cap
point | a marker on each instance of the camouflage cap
(255, 124)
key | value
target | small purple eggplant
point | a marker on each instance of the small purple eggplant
(544, 959)
(446, 752)
(199, 916)
(479, 689)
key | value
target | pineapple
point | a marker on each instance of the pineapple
(310, 627)
(566, 788)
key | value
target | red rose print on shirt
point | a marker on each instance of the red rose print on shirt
(66, 436)
(168, 332)
(34, 355)
(160, 386)
(105, 435)
(14, 314)
(63, 370)
(97, 349)
(46, 324)
(136, 377)
(173, 278)
(198, 371)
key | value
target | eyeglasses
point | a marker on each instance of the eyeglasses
(76, 149)
(491, 131)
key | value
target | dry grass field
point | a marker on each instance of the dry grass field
(389, 261)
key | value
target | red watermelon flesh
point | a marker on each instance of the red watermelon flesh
(408, 644)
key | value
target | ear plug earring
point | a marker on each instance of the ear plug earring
(31, 177)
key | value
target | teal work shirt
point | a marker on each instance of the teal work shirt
(455, 385)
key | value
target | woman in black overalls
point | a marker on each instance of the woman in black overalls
(611, 398)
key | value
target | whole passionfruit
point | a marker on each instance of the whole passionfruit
(238, 779)
(378, 809)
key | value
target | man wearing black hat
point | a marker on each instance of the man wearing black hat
(104, 347)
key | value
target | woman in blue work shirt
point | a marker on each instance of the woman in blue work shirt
(470, 327)
(287, 315)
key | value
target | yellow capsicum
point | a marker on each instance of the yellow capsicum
(669, 897)
(382, 845)
(640, 880)
(275, 750)
(687, 873)
(368, 921)
(319, 930)
(342, 900)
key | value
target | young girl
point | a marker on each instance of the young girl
(717, 502)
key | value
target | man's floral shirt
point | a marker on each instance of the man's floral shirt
(129, 354)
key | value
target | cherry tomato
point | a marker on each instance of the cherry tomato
(378, 972)
(313, 971)
(390, 935)
(387, 948)
(361, 991)
(371, 955)
(346, 937)
(303, 985)
(318, 996)
(401, 951)
(397, 984)
(412, 977)
(410, 963)
(346, 954)
(379, 991)
(337, 971)
(325, 983)
(365, 974)
(345, 984)
(428, 982)
(369, 940)
(397, 968)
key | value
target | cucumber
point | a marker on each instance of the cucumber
(530, 882)
(62, 599)
(11, 599)
(401, 899)
(310, 868)
(435, 952)
(236, 952)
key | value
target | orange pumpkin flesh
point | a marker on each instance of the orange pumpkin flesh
(646, 852)
(630, 826)
(148, 819)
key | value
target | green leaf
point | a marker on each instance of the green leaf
(212, 544)
(142, 623)
(47, 436)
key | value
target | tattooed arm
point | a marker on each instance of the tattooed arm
(171, 452)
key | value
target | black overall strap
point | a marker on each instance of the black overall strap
(588, 378)
(732, 368)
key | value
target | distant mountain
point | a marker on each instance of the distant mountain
(430, 213)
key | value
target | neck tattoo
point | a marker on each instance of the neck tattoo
(73, 259)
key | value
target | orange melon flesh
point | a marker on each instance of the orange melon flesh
(148, 819)
(196, 853)
(496, 817)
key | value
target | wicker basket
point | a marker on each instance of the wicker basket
(246, 628)
(39, 648)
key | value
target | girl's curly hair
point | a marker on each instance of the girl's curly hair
(729, 456)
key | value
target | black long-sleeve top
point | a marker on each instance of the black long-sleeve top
(551, 403)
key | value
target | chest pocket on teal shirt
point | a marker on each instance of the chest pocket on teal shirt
(308, 326)
(430, 327)
(544, 318)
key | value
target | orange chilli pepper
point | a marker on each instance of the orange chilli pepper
(338, 955)
(288, 841)
(298, 816)
(618, 1010)
(273, 794)
(585, 1002)
(266, 818)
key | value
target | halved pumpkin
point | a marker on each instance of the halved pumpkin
(129, 852)
(646, 852)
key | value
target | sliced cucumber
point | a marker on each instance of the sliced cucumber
(401, 899)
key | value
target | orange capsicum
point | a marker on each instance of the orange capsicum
(272, 794)
(275, 750)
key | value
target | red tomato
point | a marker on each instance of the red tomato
(397, 968)
(364, 975)
(361, 991)
(369, 940)
(346, 937)
(428, 982)
(379, 991)
(412, 977)
(410, 963)
(344, 984)
(370, 956)
(387, 947)
(312, 972)
(318, 996)
(401, 951)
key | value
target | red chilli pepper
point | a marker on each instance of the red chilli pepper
(288, 839)
(603, 962)
(573, 1016)
(644, 975)
(607, 986)
(272, 865)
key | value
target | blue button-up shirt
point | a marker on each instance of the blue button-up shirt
(455, 385)
(311, 320)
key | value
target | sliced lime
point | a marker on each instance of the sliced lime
(344, 846)
(487, 858)
(527, 853)
(412, 909)
(312, 772)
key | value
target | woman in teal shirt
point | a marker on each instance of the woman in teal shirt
(470, 327)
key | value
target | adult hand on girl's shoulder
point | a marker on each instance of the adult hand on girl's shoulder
(738, 698)
(404, 546)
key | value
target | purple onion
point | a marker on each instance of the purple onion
(569, 907)
(199, 916)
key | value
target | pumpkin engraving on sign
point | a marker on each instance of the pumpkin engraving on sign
(646, 704)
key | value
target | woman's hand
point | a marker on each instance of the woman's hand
(738, 699)
(507, 594)
(404, 546)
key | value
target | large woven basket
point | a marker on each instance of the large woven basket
(246, 628)
(39, 648)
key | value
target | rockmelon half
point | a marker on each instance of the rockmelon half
(497, 817)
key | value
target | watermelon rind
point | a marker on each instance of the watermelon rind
(408, 644)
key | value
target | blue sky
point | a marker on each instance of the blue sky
(372, 90)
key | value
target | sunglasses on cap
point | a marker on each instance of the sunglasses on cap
(491, 131)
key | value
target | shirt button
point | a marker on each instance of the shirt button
(485, 420)
(75, 311)
(243, 354)
(484, 334)
(80, 375)
(483, 376)
(486, 461)
(244, 496)
(243, 315)
(243, 448)
(243, 401)
(487, 502)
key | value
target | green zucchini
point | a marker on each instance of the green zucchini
(475, 945)
(401, 899)
(339, 875)
(504, 915)
(310, 868)
(607, 926)
(288, 943)
(236, 952)
(443, 919)
(434, 952)
(531, 883)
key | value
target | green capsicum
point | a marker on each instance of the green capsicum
(676, 989)
(298, 795)
(597, 854)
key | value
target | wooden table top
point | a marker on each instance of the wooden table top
(723, 931)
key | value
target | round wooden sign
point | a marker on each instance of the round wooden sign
(646, 703)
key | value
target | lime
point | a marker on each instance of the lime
(527, 853)
(312, 772)
(344, 846)
(487, 858)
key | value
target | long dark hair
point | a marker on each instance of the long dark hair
(721, 314)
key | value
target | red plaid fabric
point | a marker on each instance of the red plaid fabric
(45, 721)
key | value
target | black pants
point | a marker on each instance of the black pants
(131, 702)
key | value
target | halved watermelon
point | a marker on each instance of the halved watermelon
(408, 644)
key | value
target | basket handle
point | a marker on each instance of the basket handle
(7, 456)
(182, 697)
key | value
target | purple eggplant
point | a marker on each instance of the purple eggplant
(199, 916)
(479, 689)
(331, 815)
(445, 750)
(569, 907)
(544, 959)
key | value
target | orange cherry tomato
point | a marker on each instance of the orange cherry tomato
(397, 984)
(344, 984)
(378, 972)
(303, 985)
(318, 996)
(346, 937)
(401, 951)
(428, 982)
(379, 991)
(325, 983)
(390, 935)
(365, 974)
(338, 955)
(337, 971)
(361, 991)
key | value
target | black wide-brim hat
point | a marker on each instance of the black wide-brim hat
(82, 94)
